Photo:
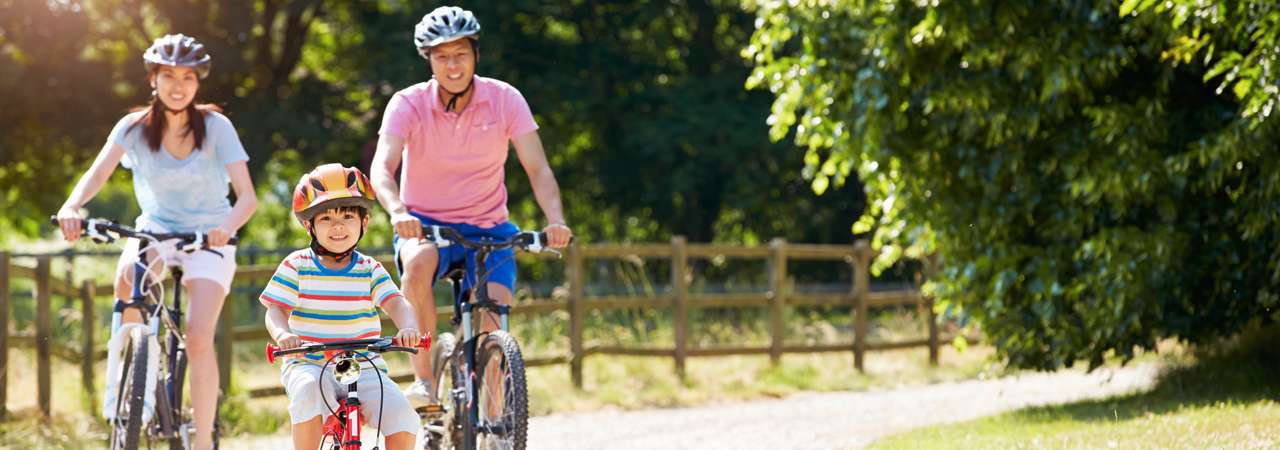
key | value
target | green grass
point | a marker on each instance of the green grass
(1220, 396)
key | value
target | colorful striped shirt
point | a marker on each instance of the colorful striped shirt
(327, 305)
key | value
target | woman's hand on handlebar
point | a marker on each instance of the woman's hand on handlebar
(70, 223)
(217, 237)
(558, 235)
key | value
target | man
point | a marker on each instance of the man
(452, 135)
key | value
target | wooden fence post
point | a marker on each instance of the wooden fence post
(225, 337)
(861, 287)
(576, 291)
(70, 298)
(777, 298)
(43, 335)
(680, 294)
(4, 335)
(87, 323)
(931, 268)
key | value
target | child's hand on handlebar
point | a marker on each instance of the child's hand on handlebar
(288, 341)
(408, 337)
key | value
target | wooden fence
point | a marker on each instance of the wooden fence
(578, 304)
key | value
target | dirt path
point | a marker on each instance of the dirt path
(835, 420)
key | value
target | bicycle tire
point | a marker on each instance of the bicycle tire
(177, 378)
(441, 367)
(462, 411)
(501, 347)
(133, 386)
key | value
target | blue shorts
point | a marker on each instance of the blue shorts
(501, 263)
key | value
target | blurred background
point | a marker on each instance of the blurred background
(1094, 179)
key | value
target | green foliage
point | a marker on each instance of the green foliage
(640, 106)
(1088, 192)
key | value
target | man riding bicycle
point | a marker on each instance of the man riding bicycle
(452, 133)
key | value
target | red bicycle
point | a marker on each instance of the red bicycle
(343, 424)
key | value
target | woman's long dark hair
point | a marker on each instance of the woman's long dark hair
(154, 122)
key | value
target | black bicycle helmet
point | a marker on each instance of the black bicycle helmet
(178, 50)
(444, 24)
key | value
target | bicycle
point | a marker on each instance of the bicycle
(343, 423)
(170, 421)
(466, 422)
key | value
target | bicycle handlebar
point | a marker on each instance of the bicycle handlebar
(380, 345)
(97, 230)
(531, 241)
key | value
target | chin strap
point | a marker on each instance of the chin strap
(337, 256)
(453, 101)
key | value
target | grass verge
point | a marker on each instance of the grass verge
(1225, 395)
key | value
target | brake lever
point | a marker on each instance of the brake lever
(97, 235)
(439, 240)
(194, 245)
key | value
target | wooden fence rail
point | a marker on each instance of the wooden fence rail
(578, 304)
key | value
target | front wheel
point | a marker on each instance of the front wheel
(502, 400)
(127, 424)
(442, 431)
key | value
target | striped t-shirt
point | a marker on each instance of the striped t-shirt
(328, 305)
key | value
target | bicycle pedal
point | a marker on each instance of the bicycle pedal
(430, 410)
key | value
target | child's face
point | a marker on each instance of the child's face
(338, 230)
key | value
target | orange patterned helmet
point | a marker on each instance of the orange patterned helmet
(331, 186)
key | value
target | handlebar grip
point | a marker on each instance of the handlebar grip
(271, 353)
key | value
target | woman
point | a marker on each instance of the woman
(182, 156)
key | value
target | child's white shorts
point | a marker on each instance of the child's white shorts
(301, 381)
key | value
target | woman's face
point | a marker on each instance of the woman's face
(175, 86)
(453, 64)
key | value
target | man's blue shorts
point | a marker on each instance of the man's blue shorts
(501, 263)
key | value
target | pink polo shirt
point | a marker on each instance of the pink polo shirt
(452, 163)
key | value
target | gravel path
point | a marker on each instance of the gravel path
(833, 420)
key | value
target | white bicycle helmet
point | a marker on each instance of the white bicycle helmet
(444, 24)
(177, 50)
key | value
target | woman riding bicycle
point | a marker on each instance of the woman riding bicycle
(183, 155)
(452, 133)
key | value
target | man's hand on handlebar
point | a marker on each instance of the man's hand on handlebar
(558, 235)
(406, 226)
(408, 337)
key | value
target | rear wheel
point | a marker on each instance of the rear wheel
(126, 426)
(503, 396)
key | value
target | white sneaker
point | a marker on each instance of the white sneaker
(419, 393)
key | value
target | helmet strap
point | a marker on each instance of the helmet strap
(337, 256)
(453, 100)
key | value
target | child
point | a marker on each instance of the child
(328, 293)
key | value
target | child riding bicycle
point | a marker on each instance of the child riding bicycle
(328, 292)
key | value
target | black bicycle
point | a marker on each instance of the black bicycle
(170, 421)
(479, 412)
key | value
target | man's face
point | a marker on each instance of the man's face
(453, 63)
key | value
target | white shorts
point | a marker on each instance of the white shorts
(301, 381)
(200, 264)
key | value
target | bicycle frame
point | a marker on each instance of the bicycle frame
(169, 395)
(465, 302)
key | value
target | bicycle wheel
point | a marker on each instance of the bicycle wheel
(503, 400)
(177, 378)
(463, 428)
(127, 424)
(440, 432)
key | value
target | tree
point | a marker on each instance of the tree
(1088, 191)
